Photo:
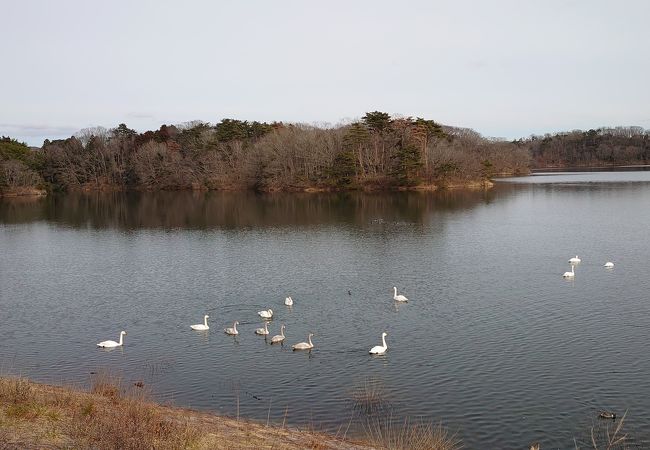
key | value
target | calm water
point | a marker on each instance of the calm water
(493, 342)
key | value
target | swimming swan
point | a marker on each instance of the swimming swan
(278, 337)
(232, 330)
(304, 345)
(268, 314)
(380, 349)
(263, 331)
(201, 326)
(609, 264)
(569, 274)
(400, 297)
(288, 301)
(575, 260)
(108, 344)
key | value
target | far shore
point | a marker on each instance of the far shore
(23, 192)
(424, 187)
(588, 167)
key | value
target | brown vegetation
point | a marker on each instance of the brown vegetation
(376, 152)
(369, 396)
(111, 416)
(601, 147)
(391, 434)
(606, 435)
(19, 169)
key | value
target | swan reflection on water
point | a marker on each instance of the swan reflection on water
(112, 349)
(205, 336)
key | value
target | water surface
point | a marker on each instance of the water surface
(493, 342)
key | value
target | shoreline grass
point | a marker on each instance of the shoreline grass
(112, 415)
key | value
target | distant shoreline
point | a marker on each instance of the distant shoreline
(595, 168)
(376, 153)
(23, 192)
(428, 187)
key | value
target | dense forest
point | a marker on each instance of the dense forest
(20, 168)
(376, 152)
(379, 151)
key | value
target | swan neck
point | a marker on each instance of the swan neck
(121, 337)
(205, 320)
(309, 339)
(383, 340)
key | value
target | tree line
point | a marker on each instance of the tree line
(599, 147)
(376, 152)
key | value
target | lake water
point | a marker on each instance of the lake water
(493, 341)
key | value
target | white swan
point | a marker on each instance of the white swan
(569, 274)
(575, 260)
(288, 301)
(268, 314)
(108, 344)
(304, 345)
(380, 349)
(232, 330)
(278, 337)
(609, 264)
(201, 326)
(400, 297)
(263, 331)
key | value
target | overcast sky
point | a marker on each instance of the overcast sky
(507, 68)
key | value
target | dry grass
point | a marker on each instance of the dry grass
(389, 434)
(105, 418)
(106, 385)
(16, 391)
(383, 432)
(606, 434)
(369, 396)
(115, 415)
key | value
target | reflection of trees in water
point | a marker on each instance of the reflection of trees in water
(230, 210)
(21, 209)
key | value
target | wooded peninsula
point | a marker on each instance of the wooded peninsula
(377, 152)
